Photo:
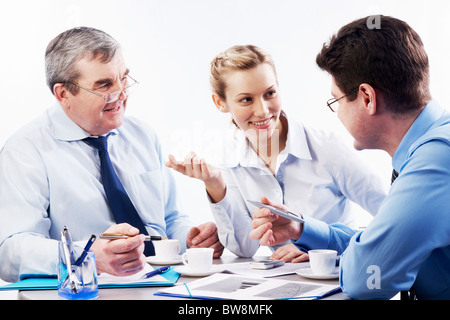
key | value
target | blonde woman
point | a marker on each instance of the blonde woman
(273, 156)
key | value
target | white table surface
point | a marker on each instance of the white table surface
(147, 293)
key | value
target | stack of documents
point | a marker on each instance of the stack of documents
(244, 287)
(239, 281)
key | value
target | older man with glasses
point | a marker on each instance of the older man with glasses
(84, 166)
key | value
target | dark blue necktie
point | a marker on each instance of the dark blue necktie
(119, 202)
(394, 175)
(404, 295)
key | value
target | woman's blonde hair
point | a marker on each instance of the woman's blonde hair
(236, 58)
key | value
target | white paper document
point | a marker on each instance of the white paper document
(245, 268)
(244, 287)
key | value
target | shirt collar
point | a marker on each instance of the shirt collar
(296, 143)
(240, 153)
(429, 115)
(64, 128)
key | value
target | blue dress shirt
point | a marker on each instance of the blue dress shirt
(49, 179)
(408, 242)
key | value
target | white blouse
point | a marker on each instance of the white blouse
(316, 175)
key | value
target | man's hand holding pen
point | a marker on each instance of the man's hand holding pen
(122, 257)
(123, 253)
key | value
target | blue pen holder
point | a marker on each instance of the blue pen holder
(77, 280)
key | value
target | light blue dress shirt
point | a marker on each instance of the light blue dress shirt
(408, 242)
(50, 179)
(316, 174)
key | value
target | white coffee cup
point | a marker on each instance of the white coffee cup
(198, 259)
(167, 249)
(322, 262)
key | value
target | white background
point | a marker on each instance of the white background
(168, 45)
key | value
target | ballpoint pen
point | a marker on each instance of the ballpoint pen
(65, 237)
(112, 236)
(85, 250)
(69, 242)
(155, 272)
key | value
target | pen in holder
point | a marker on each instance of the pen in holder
(77, 271)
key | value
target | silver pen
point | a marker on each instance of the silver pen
(280, 212)
(113, 236)
(65, 238)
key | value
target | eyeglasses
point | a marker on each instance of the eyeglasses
(114, 96)
(334, 100)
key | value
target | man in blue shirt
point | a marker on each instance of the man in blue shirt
(380, 81)
(50, 178)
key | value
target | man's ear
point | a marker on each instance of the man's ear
(62, 94)
(369, 95)
(220, 103)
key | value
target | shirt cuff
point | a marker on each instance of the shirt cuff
(315, 235)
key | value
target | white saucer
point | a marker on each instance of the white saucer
(186, 271)
(158, 261)
(307, 273)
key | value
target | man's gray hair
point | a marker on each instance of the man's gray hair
(64, 51)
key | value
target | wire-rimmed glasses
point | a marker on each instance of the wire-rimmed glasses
(113, 96)
(331, 101)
